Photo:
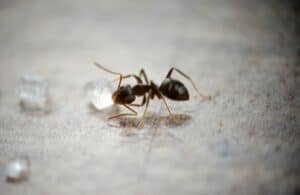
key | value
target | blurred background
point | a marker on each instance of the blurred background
(245, 141)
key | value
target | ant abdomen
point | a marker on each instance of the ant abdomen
(174, 89)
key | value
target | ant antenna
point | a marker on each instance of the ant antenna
(105, 69)
(109, 71)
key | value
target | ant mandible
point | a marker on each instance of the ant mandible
(171, 88)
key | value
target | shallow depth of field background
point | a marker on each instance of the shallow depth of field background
(245, 141)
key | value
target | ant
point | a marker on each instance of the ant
(171, 88)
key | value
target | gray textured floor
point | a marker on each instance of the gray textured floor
(244, 142)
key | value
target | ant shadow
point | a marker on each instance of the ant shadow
(152, 120)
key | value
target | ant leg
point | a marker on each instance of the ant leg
(109, 71)
(204, 97)
(143, 73)
(173, 118)
(145, 111)
(170, 113)
(159, 96)
(134, 113)
(165, 102)
(141, 104)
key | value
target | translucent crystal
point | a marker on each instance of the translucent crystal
(17, 170)
(33, 93)
(98, 94)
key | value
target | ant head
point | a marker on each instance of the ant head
(123, 95)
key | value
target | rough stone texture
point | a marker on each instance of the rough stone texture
(246, 141)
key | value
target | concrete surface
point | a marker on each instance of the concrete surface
(246, 141)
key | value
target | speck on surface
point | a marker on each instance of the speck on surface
(98, 94)
(33, 93)
(17, 170)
